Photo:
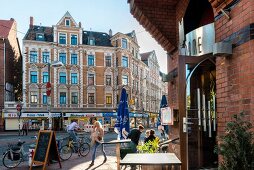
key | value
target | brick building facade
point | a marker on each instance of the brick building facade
(230, 72)
(95, 67)
(10, 65)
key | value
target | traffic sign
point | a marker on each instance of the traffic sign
(19, 107)
(48, 88)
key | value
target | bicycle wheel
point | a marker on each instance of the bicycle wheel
(84, 149)
(13, 162)
(65, 152)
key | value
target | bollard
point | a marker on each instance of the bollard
(31, 153)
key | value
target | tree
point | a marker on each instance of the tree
(237, 145)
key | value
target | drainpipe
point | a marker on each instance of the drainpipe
(3, 39)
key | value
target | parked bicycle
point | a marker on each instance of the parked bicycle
(14, 155)
(67, 150)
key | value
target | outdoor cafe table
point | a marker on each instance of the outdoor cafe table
(152, 159)
(117, 142)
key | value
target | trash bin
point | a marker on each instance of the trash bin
(31, 153)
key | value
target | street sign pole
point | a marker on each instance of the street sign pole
(19, 108)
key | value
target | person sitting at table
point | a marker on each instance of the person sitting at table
(134, 135)
(151, 137)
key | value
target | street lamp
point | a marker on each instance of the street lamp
(54, 64)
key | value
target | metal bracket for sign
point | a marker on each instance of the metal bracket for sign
(204, 112)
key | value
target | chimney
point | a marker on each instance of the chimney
(31, 22)
(110, 33)
(79, 24)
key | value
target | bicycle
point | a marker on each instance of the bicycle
(67, 150)
(14, 155)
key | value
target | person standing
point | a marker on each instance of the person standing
(97, 138)
(134, 135)
(25, 128)
(71, 128)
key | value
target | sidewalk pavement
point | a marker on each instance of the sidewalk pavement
(82, 163)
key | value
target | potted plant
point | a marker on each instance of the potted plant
(149, 147)
(237, 145)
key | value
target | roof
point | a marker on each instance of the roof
(101, 38)
(144, 56)
(5, 27)
(47, 31)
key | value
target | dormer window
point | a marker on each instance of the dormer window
(91, 41)
(40, 36)
(67, 23)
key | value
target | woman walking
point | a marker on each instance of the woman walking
(97, 138)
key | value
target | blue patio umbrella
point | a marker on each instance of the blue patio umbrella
(163, 104)
(122, 125)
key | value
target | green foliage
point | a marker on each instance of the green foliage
(149, 147)
(237, 145)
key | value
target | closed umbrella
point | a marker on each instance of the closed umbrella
(122, 125)
(163, 104)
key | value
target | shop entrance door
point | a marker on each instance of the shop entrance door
(201, 118)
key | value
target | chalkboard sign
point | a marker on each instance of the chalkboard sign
(46, 149)
(42, 146)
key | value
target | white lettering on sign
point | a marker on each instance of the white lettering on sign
(200, 41)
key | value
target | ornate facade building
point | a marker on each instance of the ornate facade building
(85, 72)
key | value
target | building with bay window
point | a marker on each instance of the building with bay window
(95, 67)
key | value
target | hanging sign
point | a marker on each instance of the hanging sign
(166, 116)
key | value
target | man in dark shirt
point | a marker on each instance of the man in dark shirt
(134, 135)
(151, 136)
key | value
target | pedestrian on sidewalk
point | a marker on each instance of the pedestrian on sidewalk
(25, 128)
(97, 137)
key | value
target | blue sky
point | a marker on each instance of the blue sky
(97, 15)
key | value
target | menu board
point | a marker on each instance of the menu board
(166, 116)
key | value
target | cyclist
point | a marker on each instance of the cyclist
(71, 128)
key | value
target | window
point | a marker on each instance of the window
(91, 41)
(124, 61)
(74, 59)
(90, 79)
(108, 99)
(33, 76)
(62, 78)
(33, 56)
(34, 98)
(62, 57)
(124, 80)
(45, 57)
(74, 78)
(90, 60)
(74, 98)
(45, 77)
(67, 22)
(124, 43)
(45, 98)
(62, 98)
(108, 61)
(40, 37)
(108, 80)
(62, 38)
(74, 39)
(90, 98)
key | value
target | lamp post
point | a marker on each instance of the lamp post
(54, 64)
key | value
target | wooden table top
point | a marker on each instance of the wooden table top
(150, 159)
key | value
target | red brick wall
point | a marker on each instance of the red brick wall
(235, 74)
